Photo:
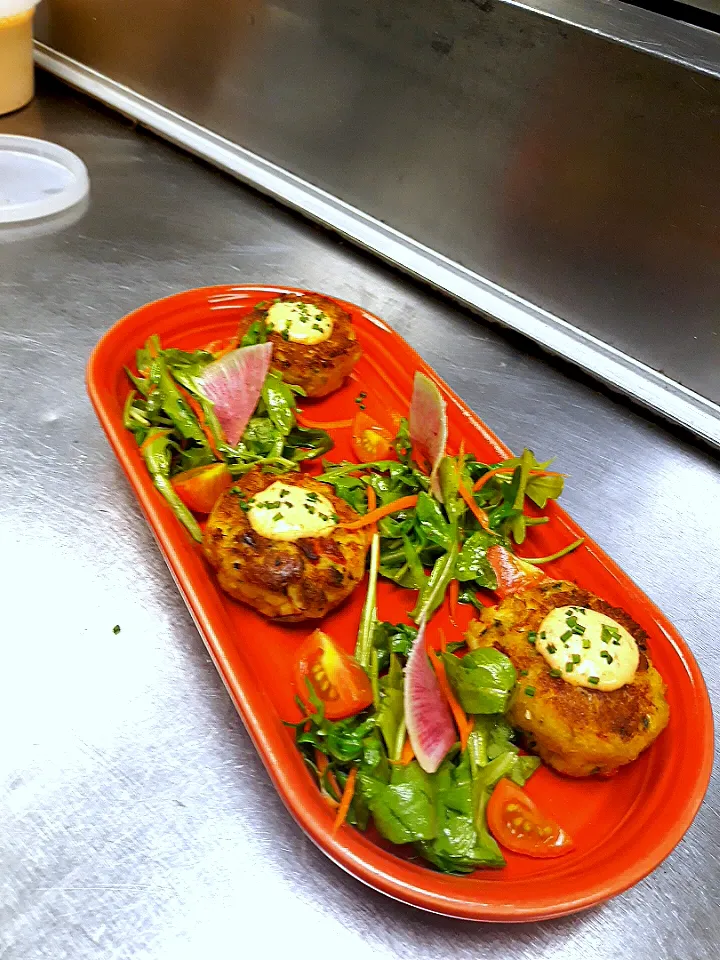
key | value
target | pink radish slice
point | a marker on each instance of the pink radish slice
(233, 385)
(428, 426)
(427, 714)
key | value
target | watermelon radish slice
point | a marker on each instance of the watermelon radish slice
(233, 385)
(427, 714)
(428, 426)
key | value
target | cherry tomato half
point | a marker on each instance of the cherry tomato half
(517, 824)
(513, 573)
(370, 441)
(200, 487)
(337, 678)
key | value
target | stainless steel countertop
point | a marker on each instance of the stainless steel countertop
(136, 820)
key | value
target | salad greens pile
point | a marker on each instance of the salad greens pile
(446, 538)
(441, 814)
(424, 545)
(176, 429)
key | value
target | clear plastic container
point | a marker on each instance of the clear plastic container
(17, 84)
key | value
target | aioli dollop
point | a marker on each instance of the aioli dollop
(286, 512)
(587, 648)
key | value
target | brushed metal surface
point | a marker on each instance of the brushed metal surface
(136, 820)
(575, 172)
(614, 368)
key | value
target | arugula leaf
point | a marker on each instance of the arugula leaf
(404, 809)
(493, 738)
(542, 489)
(468, 595)
(431, 522)
(402, 443)
(279, 403)
(473, 564)
(482, 680)
(304, 443)
(391, 714)
(256, 333)
(433, 593)
(393, 638)
(458, 847)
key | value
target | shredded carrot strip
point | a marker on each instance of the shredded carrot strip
(461, 451)
(321, 425)
(232, 345)
(404, 503)
(478, 513)
(453, 595)
(443, 640)
(464, 726)
(492, 473)
(346, 800)
(406, 756)
(198, 411)
(218, 348)
(321, 762)
(149, 440)
(371, 504)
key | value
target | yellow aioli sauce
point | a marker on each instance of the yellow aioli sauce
(299, 322)
(286, 512)
(587, 648)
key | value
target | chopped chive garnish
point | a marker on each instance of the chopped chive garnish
(532, 637)
(566, 636)
(593, 680)
(523, 673)
(586, 644)
(569, 666)
(542, 635)
(278, 516)
(551, 648)
(555, 673)
(116, 629)
(576, 658)
(609, 633)
(529, 691)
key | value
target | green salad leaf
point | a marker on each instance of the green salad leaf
(482, 680)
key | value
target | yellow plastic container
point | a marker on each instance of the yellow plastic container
(17, 84)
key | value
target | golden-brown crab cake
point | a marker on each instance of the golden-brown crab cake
(314, 342)
(276, 544)
(588, 699)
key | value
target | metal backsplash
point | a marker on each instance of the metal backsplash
(544, 161)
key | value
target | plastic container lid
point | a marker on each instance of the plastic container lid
(38, 179)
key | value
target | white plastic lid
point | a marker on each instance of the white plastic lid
(11, 8)
(38, 179)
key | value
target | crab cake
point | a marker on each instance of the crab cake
(276, 545)
(314, 342)
(588, 699)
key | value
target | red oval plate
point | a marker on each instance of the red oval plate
(623, 827)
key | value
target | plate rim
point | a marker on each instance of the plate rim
(334, 847)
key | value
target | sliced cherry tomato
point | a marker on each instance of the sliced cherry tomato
(513, 573)
(370, 441)
(517, 824)
(200, 487)
(337, 678)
